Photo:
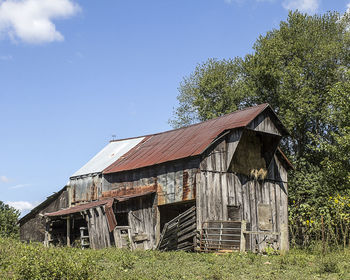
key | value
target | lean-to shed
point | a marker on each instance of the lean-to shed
(33, 225)
(215, 185)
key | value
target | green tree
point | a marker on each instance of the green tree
(302, 70)
(8, 220)
(335, 146)
(294, 68)
(212, 90)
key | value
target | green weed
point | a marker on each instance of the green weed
(33, 261)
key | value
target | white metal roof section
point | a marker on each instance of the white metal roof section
(107, 156)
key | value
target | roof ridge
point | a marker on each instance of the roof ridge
(182, 140)
(191, 125)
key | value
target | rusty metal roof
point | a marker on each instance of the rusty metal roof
(183, 142)
(108, 203)
(94, 204)
(79, 208)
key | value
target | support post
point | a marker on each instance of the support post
(243, 229)
(68, 231)
(284, 239)
(47, 233)
(157, 226)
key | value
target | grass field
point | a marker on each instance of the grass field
(33, 261)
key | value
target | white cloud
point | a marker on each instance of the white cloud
(348, 8)
(21, 205)
(19, 186)
(307, 6)
(31, 20)
(4, 179)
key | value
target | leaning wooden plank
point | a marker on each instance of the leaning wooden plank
(184, 244)
(182, 232)
(191, 234)
(187, 223)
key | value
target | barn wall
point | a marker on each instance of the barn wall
(174, 181)
(84, 189)
(220, 188)
(99, 235)
(215, 196)
(264, 123)
(142, 217)
(33, 228)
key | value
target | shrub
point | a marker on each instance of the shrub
(8, 221)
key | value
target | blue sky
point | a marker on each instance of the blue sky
(73, 73)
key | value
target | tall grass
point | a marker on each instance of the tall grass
(33, 261)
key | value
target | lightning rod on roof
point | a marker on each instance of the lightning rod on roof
(114, 136)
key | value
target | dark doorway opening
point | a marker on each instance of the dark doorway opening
(170, 211)
(122, 219)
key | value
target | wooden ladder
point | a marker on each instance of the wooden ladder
(84, 239)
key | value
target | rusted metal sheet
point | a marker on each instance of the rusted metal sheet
(284, 158)
(183, 142)
(79, 208)
(127, 197)
(85, 189)
(185, 187)
(129, 192)
(112, 222)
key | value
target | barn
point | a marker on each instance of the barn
(213, 186)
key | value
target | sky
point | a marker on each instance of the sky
(73, 73)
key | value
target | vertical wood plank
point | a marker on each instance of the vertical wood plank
(243, 241)
(68, 230)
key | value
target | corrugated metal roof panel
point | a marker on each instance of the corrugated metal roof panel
(109, 154)
(104, 201)
(79, 208)
(183, 142)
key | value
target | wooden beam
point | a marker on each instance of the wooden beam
(157, 213)
(243, 229)
(284, 239)
(262, 232)
(68, 231)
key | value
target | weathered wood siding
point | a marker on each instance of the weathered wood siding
(33, 228)
(142, 218)
(264, 123)
(220, 188)
(99, 235)
(174, 181)
(84, 189)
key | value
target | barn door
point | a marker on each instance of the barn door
(98, 228)
(265, 217)
(122, 237)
